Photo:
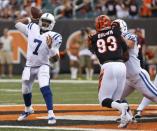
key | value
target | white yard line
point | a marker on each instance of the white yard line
(10, 90)
(53, 81)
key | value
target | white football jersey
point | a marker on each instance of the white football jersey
(133, 64)
(38, 52)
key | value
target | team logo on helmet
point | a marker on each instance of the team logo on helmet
(102, 22)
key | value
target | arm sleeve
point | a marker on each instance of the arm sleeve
(22, 27)
(57, 41)
(130, 36)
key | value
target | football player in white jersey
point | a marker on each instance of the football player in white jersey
(145, 102)
(137, 78)
(43, 46)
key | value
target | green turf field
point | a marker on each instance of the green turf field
(63, 93)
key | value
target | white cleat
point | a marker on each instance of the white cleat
(125, 117)
(137, 114)
(24, 115)
(51, 118)
(130, 116)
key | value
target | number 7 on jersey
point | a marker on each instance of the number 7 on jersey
(35, 52)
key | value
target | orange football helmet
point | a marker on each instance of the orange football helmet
(102, 22)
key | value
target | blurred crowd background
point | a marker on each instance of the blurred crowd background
(76, 9)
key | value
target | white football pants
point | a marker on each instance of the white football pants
(143, 84)
(111, 81)
(29, 74)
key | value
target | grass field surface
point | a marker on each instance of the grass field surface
(73, 92)
(64, 92)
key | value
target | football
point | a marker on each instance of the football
(35, 12)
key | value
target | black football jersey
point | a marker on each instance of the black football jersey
(108, 45)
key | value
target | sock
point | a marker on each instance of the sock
(51, 114)
(125, 101)
(28, 108)
(107, 102)
(46, 92)
(116, 105)
(27, 99)
(145, 102)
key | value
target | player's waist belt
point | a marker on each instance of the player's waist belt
(119, 60)
(36, 66)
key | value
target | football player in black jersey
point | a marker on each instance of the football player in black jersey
(109, 47)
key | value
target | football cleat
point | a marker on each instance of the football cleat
(137, 114)
(125, 116)
(51, 118)
(129, 115)
(24, 115)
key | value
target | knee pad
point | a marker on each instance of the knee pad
(107, 102)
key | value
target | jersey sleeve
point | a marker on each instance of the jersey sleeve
(130, 36)
(57, 41)
(22, 27)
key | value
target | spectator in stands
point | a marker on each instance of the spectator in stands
(145, 10)
(84, 9)
(6, 53)
(154, 8)
(110, 6)
(10, 9)
(98, 7)
(122, 10)
(67, 12)
(50, 5)
(133, 9)
(80, 8)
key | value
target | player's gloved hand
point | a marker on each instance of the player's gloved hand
(49, 41)
(54, 58)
